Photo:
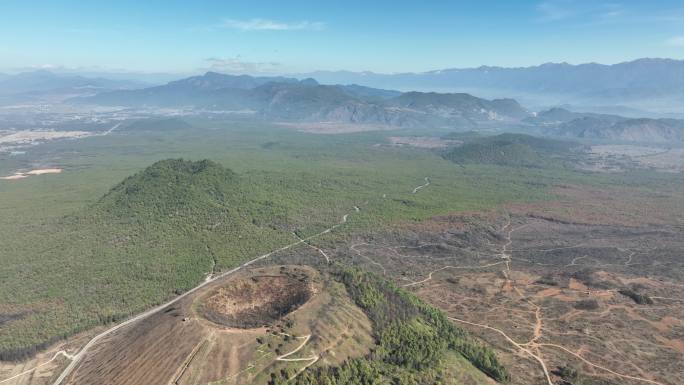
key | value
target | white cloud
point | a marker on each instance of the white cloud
(581, 10)
(238, 65)
(271, 25)
(46, 66)
(611, 11)
(677, 41)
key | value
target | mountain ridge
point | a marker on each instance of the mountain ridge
(561, 122)
(46, 81)
(646, 83)
(290, 99)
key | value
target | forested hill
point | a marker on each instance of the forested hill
(170, 186)
(511, 150)
(161, 231)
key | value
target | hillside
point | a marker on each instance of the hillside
(170, 187)
(47, 87)
(643, 83)
(46, 81)
(629, 130)
(414, 340)
(216, 81)
(285, 99)
(556, 116)
(460, 106)
(561, 122)
(510, 150)
(369, 93)
(160, 231)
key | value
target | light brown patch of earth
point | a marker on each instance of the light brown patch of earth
(335, 128)
(423, 142)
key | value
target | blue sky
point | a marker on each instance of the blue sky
(301, 36)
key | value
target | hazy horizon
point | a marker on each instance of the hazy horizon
(272, 38)
(121, 72)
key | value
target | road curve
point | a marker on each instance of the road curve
(312, 360)
(427, 183)
(59, 353)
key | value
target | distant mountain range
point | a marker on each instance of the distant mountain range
(41, 81)
(39, 85)
(292, 100)
(648, 84)
(643, 87)
(289, 99)
(563, 123)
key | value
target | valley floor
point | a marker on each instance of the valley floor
(554, 268)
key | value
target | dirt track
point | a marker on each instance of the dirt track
(83, 353)
(75, 360)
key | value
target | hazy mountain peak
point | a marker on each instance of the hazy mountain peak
(308, 82)
(43, 81)
(641, 84)
(289, 99)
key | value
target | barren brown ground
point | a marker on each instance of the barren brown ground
(179, 346)
(256, 301)
(541, 282)
(423, 141)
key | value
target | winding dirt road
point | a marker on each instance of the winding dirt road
(59, 353)
(429, 277)
(533, 348)
(427, 183)
(327, 258)
(518, 345)
(77, 358)
(312, 360)
(360, 254)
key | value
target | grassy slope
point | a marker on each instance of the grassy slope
(63, 271)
